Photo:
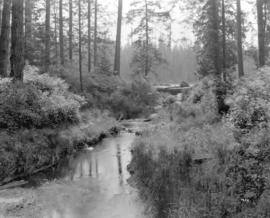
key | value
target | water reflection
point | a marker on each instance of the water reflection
(94, 183)
(104, 162)
(119, 163)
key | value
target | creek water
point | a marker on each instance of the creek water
(93, 184)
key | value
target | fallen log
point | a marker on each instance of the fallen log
(13, 185)
(11, 179)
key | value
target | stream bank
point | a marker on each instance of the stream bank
(92, 183)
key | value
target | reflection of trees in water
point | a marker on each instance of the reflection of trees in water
(85, 166)
(90, 164)
(81, 168)
(96, 161)
(119, 163)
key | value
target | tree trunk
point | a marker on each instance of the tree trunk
(216, 42)
(239, 40)
(55, 33)
(70, 29)
(47, 35)
(1, 7)
(261, 32)
(61, 34)
(4, 38)
(224, 41)
(95, 35)
(117, 57)
(28, 29)
(80, 45)
(89, 36)
(17, 41)
(146, 69)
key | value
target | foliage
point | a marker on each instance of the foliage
(144, 14)
(172, 167)
(133, 100)
(41, 121)
(201, 168)
(28, 150)
(199, 106)
(143, 61)
(208, 28)
(97, 87)
(250, 101)
(39, 102)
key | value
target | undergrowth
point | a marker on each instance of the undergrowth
(200, 164)
(41, 121)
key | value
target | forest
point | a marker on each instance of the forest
(136, 108)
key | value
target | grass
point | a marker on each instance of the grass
(195, 166)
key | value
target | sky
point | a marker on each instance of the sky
(179, 28)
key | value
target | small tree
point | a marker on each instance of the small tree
(145, 15)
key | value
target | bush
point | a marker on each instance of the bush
(41, 121)
(133, 100)
(227, 174)
(26, 151)
(200, 106)
(105, 91)
(250, 105)
(98, 86)
(40, 101)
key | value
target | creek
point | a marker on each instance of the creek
(94, 183)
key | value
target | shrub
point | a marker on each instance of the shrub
(27, 150)
(133, 100)
(199, 108)
(40, 101)
(250, 101)
(41, 121)
(30, 149)
(98, 86)
(228, 172)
